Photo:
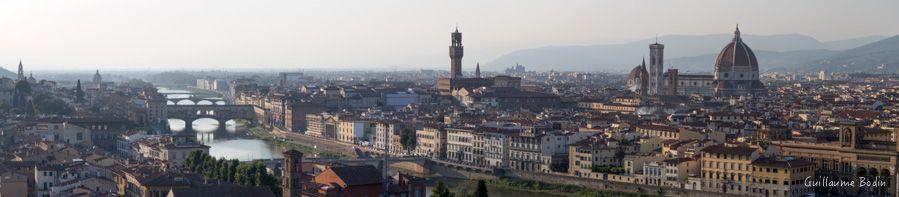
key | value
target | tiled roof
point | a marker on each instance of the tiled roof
(358, 175)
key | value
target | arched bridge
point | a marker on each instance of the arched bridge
(221, 113)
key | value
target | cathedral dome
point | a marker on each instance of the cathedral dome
(736, 55)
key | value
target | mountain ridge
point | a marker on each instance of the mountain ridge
(618, 57)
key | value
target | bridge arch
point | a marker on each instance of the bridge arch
(177, 124)
(205, 102)
(185, 102)
(220, 113)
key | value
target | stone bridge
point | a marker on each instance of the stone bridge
(221, 113)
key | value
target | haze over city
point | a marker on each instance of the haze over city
(384, 35)
(226, 98)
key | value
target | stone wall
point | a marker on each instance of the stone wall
(605, 185)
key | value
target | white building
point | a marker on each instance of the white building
(61, 132)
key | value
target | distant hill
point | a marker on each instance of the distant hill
(7, 73)
(865, 58)
(694, 49)
(852, 43)
(768, 60)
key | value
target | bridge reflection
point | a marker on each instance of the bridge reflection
(208, 129)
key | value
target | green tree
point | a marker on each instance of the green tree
(222, 168)
(46, 104)
(240, 176)
(189, 161)
(208, 165)
(660, 192)
(441, 191)
(408, 139)
(232, 170)
(482, 189)
(22, 98)
(79, 93)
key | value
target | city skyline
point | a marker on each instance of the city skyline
(345, 99)
(383, 36)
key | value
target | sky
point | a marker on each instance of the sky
(384, 34)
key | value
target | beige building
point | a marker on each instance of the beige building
(676, 172)
(431, 141)
(781, 176)
(321, 125)
(353, 131)
(726, 168)
(857, 154)
(661, 131)
(633, 164)
(171, 149)
(592, 152)
(464, 145)
(13, 184)
(61, 132)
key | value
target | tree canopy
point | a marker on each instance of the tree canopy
(247, 174)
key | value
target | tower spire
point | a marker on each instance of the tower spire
(477, 70)
(737, 33)
(21, 73)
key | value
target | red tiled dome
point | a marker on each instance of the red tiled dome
(736, 55)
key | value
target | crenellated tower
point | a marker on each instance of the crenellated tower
(455, 53)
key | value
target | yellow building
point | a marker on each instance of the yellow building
(856, 155)
(726, 168)
(783, 176)
(431, 141)
(591, 152)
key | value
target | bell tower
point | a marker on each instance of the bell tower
(21, 74)
(455, 53)
(656, 67)
(292, 172)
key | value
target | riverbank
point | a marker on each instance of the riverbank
(553, 189)
(266, 135)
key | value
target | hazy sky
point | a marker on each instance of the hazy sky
(350, 34)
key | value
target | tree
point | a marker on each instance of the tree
(408, 139)
(441, 191)
(189, 161)
(79, 93)
(22, 98)
(660, 192)
(232, 170)
(482, 189)
(47, 104)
